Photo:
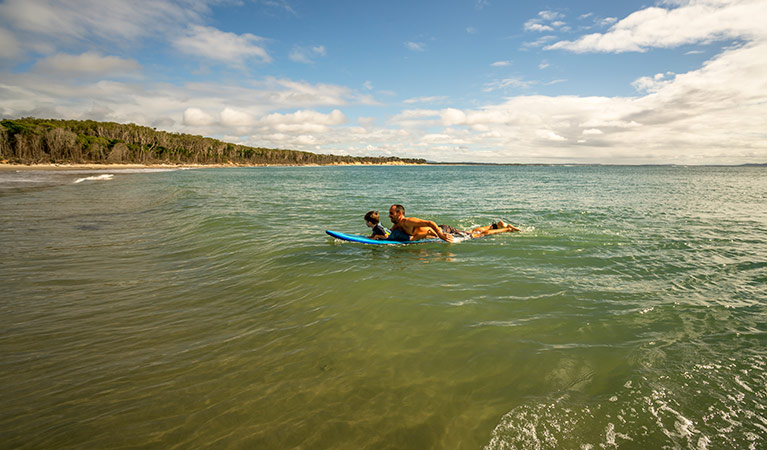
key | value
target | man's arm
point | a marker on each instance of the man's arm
(416, 223)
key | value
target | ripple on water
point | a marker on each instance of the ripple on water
(208, 308)
(682, 410)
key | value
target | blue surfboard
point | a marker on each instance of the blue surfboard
(367, 240)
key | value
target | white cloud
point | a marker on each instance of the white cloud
(507, 83)
(414, 118)
(287, 141)
(550, 15)
(289, 93)
(88, 63)
(115, 21)
(549, 135)
(541, 41)
(651, 84)
(416, 46)
(336, 117)
(307, 55)
(546, 21)
(234, 118)
(432, 99)
(230, 48)
(501, 63)
(9, 46)
(452, 116)
(366, 121)
(301, 123)
(535, 26)
(697, 21)
(416, 114)
(281, 4)
(195, 117)
(300, 128)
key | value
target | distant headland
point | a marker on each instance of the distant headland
(32, 141)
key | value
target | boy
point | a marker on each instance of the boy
(372, 220)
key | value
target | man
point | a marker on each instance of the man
(412, 228)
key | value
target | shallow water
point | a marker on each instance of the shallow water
(208, 308)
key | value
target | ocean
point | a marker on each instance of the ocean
(208, 308)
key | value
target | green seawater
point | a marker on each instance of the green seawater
(208, 309)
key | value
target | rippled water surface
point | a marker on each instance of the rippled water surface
(207, 308)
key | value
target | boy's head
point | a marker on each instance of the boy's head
(372, 217)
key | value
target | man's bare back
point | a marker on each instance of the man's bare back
(413, 227)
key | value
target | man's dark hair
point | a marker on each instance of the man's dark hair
(399, 208)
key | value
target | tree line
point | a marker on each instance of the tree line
(44, 141)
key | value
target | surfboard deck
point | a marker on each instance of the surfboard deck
(366, 240)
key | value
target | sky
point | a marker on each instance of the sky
(612, 82)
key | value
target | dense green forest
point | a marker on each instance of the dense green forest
(44, 141)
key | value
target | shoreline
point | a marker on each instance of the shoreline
(97, 166)
(8, 167)
(63, 167)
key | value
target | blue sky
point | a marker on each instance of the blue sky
(676, 81)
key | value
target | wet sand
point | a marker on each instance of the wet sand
(100, 166)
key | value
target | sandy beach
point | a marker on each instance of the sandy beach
(92, 166)
(11, 167)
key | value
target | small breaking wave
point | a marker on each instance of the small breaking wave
(645, 413)
(104, 177)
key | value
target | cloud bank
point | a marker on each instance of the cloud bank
(699, 21)
(230, 48)
(88, 63)
(716, 113)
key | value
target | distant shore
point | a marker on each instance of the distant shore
(96, 166)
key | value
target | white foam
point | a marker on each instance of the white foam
(743, 384)
(104, 177)
(610, 435)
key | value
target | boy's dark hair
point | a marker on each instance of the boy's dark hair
(372, 217)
